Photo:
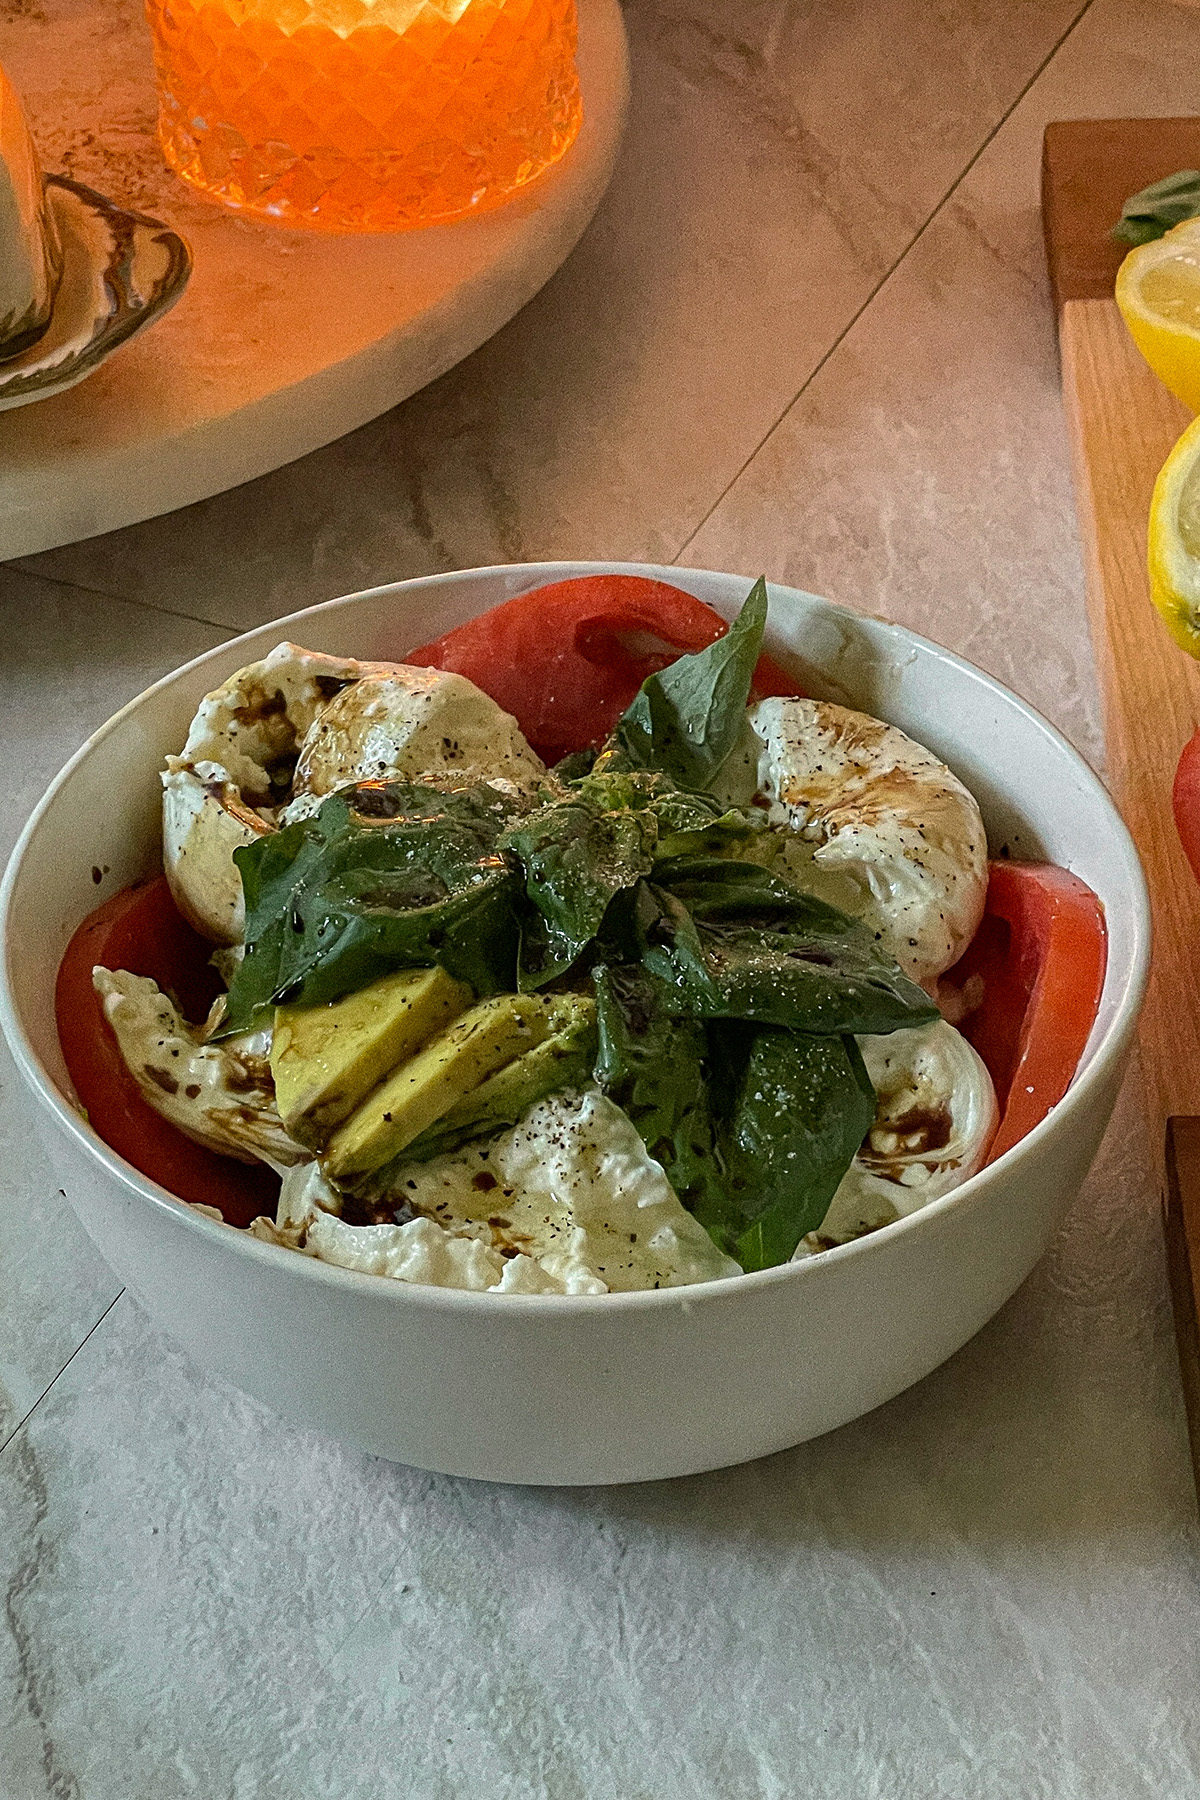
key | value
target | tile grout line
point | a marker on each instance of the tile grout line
(169, 612)
(22, 1422)
(940, 206)
(80, 587)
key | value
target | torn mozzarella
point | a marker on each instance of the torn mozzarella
(418, 1250)
(410, 724)
(573, 1186)
(254, 723)
(567, 1201)
(882, 828)
(935, 1118)
(204, 821)
(221, 1095)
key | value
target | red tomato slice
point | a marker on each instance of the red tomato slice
(140, 930)
(566, 660)
(1185, 801)
(1039, 958)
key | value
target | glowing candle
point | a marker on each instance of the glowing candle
(364, 115)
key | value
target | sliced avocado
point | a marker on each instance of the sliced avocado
(565, 1060)
(325, 1059)
(425, 1087)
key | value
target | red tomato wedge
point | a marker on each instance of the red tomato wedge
(1185, 801)
(1039, 958)
(566, 660)
(140, 930)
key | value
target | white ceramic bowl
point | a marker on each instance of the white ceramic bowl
(625, 1387)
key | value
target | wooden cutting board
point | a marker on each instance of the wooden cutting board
(1123, 423)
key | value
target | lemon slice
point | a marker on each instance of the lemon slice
(1158, 292)
(1174, 541)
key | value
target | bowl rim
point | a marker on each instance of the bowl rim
(973, 1193)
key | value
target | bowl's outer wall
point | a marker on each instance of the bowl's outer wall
(613, 1394)
(617, 1389)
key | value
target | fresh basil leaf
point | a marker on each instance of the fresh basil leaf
(697, 825)
(624, 790)
(574, 765)
(581, 850)
(272, 868)
(740, 943)
(655, 1068)
(794, 1110)
(754, 1125)
(576, 856)
(685, 823)
(686, 718)
(714, 888)
(387, 875)
(361, 931)
(1152, 212)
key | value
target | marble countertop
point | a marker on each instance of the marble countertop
(808, 333)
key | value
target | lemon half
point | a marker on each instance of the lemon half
(1158, 292)
(1174, 541)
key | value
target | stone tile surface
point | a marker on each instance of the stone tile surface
(779, 158)
(923, 472)
(987, 1586)
(68, 660)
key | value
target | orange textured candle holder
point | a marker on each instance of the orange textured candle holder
(364, 115)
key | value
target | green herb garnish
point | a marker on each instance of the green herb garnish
(1151, 213)
(732, 940)
(754, 1125)
(726, 999)
(687, 718)
(600, 838)
(388, 875)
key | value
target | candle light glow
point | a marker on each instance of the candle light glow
(371, 115)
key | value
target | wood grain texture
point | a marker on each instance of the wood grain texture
(1089, 169)
(1123, 423)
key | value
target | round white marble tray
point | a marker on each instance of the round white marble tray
(284, 340)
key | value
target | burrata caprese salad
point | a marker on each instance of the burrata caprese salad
(577, 952)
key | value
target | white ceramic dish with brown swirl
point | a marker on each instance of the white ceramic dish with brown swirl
(120, 271)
